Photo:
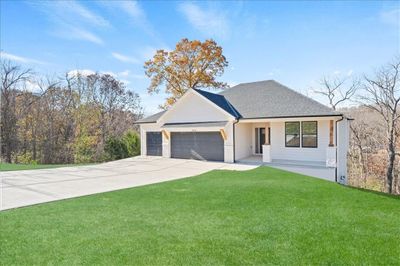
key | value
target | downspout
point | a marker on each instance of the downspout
(234, 141)
(336, 142)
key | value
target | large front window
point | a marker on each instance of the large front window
(308, 138)
(292, 134)
(309, 134)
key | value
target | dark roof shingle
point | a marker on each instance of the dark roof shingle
(220, 101)
(271, 99)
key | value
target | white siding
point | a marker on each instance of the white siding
(279, 151)
(243, 140)
(194, 108)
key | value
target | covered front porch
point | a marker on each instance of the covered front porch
(304, 145)
(311, 168)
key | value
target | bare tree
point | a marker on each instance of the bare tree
(13, 78)
(337, 90)
(382, 94)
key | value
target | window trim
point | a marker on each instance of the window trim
(316, 135)
(291, 134)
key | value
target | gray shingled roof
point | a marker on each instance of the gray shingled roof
(150, 119)
(271, 99)
(262, 99)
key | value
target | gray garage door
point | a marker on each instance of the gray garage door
(197, 145)
(154, 143)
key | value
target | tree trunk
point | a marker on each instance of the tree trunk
(392, 157)
(389, 173)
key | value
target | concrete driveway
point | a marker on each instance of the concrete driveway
(23, 188)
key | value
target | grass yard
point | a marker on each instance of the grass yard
(262, 216)
(17, 167)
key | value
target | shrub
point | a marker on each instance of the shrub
(126, 146)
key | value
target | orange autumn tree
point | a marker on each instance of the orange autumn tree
(193, 64)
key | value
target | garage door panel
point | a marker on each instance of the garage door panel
(154, 143)
(197, 145)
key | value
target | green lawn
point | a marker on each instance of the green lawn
(16, 167)
(262, 216)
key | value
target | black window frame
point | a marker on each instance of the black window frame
(316, 134)
(286, 144)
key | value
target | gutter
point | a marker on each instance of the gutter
(293, 116)
(234, 141)
(336, 139)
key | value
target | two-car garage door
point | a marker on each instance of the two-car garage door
(207, 146)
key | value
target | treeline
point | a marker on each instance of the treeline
(374, 152)
(76, 118)
(368, 153)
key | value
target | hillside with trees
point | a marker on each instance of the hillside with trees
(374, 153)
(76, 118)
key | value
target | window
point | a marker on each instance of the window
(292, 134)
(309, 131)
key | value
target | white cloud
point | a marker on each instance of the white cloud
(72, 20)
(71, 12)
(124, 58)
(211, 23)
(124, 73)
(32, 86)
(81, 11)
(350, 72)
(19, 59)
(71, 33)
(391, 17)
(82, 72)
(134, 11)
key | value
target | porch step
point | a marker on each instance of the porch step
(257, 160)
(300, 163)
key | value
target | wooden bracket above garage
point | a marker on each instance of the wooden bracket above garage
(165, 133)
(223, 134)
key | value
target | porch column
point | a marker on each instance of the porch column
(331, 144)
(331, 149)
(266, 147)
(267, 134)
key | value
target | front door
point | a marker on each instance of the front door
(260, 139)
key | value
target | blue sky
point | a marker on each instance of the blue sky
(295, 43)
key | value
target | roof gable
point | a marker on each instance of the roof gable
(193, 106)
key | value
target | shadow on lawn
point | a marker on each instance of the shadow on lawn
(375, 192)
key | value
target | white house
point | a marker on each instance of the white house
(258, 122)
